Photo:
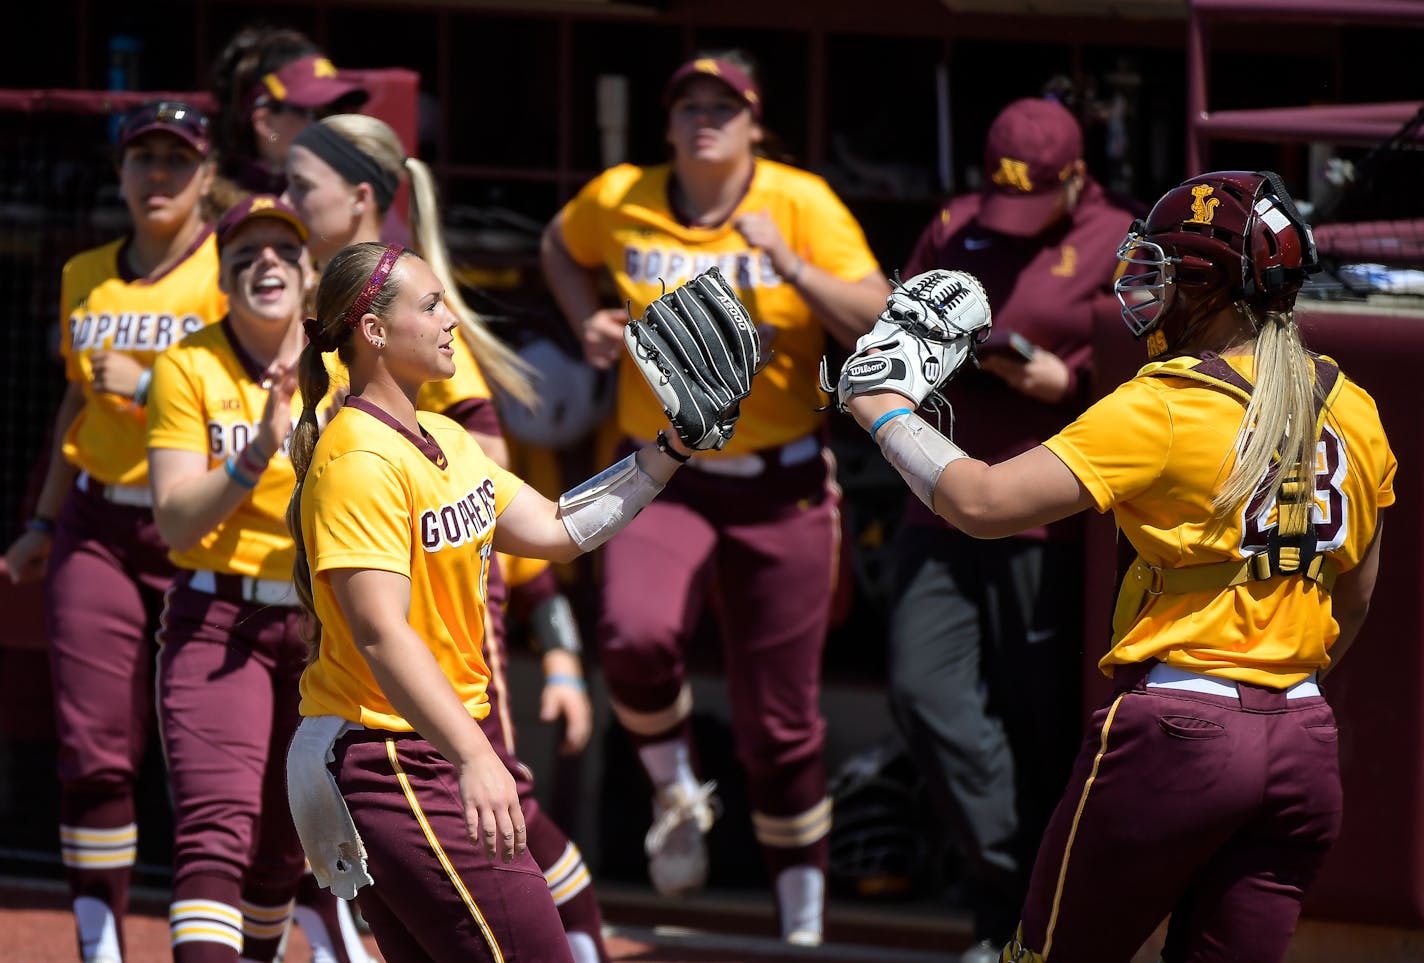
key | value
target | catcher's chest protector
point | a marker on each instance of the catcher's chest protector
(1290, 544)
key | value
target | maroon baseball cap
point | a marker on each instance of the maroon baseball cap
(729, 73)
(183, 121)
(1030, 152)
(312, 82)
(258, 206)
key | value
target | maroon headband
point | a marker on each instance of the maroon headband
(363, 301)
(374, 283)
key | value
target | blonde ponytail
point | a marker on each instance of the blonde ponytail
(1280, 419)
(501, 365)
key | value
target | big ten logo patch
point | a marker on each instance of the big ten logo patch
(130, 330)
(744, 270)
(459, 522)
(231, 437)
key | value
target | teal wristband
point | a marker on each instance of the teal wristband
(880, 422)
(572, 681)
(231, 466)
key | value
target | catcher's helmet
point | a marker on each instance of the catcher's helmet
(1231, 229)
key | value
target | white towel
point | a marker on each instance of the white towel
(333, 847)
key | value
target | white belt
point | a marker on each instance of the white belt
(133, 495)
(265, 591)
(748, 466)
(1164, 676)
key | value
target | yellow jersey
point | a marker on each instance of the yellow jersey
(377, 497)
(207, 397)
(140, 317)
(623, 221)
(1159, 485)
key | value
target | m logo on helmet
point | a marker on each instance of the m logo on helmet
(1013, 173)
(1203, 204)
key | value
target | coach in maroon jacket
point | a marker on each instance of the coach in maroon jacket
(1004, 617)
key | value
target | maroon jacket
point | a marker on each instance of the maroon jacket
(1046, 288)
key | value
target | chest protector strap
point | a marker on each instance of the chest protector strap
(1290, 546)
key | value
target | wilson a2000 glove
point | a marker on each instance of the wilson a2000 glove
(698, 349)
(928, 328)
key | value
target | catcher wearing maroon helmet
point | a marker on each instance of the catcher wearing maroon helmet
(1248, 475)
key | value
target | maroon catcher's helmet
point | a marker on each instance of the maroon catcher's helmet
(1230, 229)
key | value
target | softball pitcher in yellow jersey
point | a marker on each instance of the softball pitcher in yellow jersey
(344, 172)
(397, 512)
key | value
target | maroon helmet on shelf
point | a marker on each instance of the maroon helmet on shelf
(1234, 229)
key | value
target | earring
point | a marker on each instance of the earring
(272, 138)
(358, 209)
(379, 342)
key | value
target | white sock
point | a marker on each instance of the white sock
(668, 762)
(350, 935)
(582, 947)
(801, 891)
(98, 932)
(314, 929)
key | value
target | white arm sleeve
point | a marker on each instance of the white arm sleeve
(600, 508)
(918, 453)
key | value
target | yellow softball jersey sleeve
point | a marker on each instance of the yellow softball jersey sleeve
(375, 498)
(622, 221)
(1154, 452)
(206, 397)
(141, 318)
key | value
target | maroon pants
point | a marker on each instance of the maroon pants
(108, 569)
(764, 551)
(436, 895)
(562, 863)
(1216, 810)
(228, 673)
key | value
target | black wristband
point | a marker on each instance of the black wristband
(665, 446)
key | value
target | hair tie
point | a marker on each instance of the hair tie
(313, 329)
(374, 283)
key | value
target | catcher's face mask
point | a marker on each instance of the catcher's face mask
(1144, 283)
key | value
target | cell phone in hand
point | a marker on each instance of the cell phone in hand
(1022, 346)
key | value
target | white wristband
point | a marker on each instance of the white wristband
(140, 395)
(600, 508)
(918, 452)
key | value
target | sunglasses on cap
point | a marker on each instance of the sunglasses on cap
(174, 116)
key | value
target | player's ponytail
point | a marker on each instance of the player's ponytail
(1281, 415)
(373, 137)
(341, 284)
(500, 364)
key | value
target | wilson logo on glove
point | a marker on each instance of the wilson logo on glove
(930, 325)
(698, 350)
(869, 368)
